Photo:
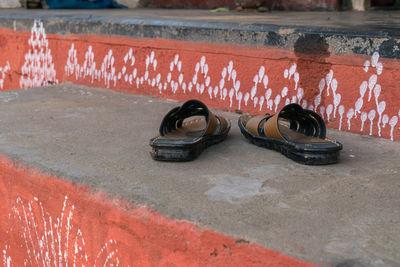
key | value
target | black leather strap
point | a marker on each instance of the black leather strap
(176, 116)
(260, 127)
(300, 120)
(321, 123)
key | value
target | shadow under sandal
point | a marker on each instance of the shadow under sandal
(297, 133)
(186, 131)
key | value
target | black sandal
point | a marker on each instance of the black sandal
(297, 133)
(183, 139)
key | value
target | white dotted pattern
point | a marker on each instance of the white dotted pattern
(38, 69)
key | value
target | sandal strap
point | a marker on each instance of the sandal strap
(212, 124)
(301, 120)
(175, 117)
(253, 124)
(223, 123)
(320, 121)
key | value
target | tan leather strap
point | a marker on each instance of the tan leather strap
(253, 123)
(271, 127)
(302, 123)
(212, 124)
(223, 122)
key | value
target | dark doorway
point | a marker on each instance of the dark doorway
(378, 3)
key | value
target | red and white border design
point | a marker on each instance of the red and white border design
(45, 221)
(358, 95)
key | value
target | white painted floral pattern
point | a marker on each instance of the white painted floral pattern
(38, 69)
(49, 240)
(141, 68)
(230, 89)
(3, 71)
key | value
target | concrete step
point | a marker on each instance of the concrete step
(345, 213)
(76, 174)
(343, 65)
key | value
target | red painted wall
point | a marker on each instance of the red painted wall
(352, 92)
(45, 221)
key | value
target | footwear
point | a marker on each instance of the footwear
(297, 133)
(186, 131)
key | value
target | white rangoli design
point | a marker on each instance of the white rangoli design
(148, 74)
(6, 258)
(38, 69)
(50, 240)
(229, 87)
(3, 72)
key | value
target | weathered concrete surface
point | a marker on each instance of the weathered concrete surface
(343, 32)
(348, 212)
(279, 5)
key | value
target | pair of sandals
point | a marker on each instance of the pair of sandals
(297, 133)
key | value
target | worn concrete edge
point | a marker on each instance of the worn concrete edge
(341, 41)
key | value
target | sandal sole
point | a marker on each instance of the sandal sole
(185, 152)
(290, 151)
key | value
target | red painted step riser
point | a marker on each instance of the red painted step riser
(355, 98)
(45, 221)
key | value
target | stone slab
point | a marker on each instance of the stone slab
(339, 214)
(345, 32)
